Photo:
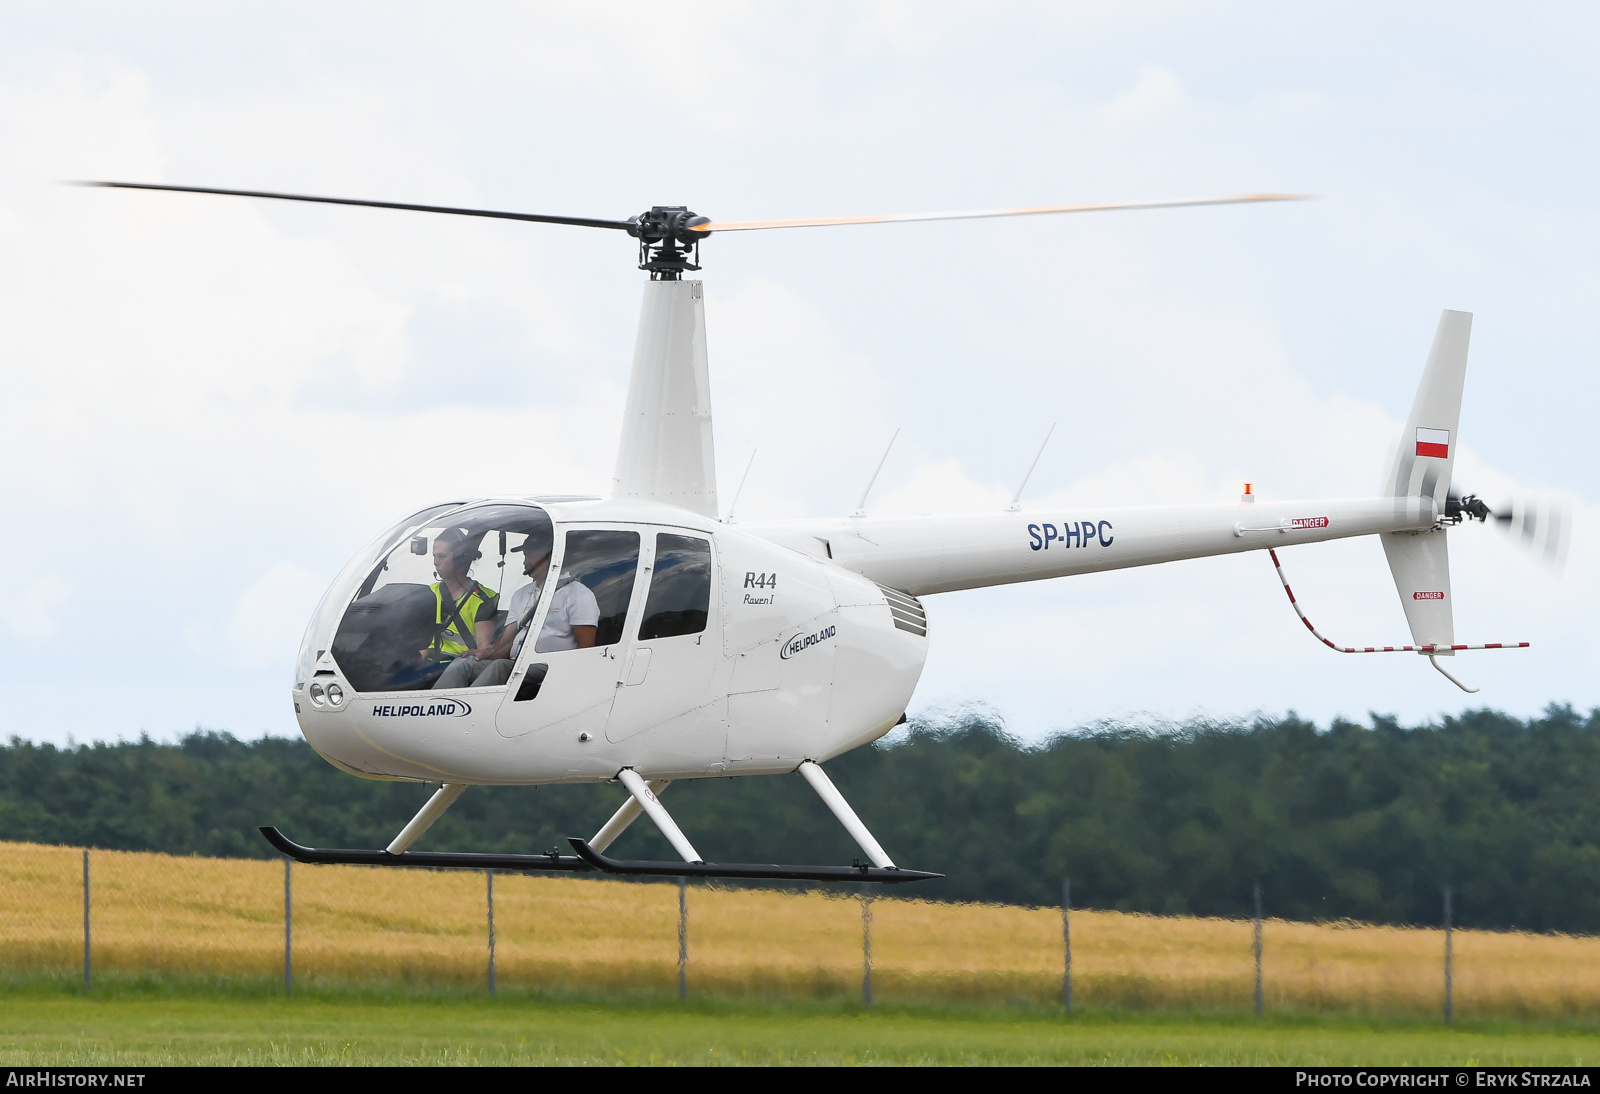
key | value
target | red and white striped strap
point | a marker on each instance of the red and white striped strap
(1320, 637)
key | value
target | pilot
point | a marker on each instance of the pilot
(465, 608)
(570, 623)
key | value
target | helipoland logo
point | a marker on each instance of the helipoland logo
(439, 708)
(799, 643)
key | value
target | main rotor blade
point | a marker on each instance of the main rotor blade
(538, 218)
(980, 214)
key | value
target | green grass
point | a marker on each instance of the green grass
(148, 1023)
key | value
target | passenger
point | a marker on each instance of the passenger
(573, 618)
(570, 623)
(465, 608)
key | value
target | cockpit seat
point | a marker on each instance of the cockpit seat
(381, 635)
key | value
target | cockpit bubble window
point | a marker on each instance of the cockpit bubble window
(598, 569)
(680, 587)
(330, 609)
(440, 591)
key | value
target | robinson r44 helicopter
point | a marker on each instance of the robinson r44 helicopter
(638, 639)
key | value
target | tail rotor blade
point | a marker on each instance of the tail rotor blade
(1539, 522)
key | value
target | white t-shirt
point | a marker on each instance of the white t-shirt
(573, 605)
(516, 608)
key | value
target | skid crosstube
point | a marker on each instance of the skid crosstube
(752, 871)
(587, 860)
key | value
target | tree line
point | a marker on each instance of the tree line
(1366, 822)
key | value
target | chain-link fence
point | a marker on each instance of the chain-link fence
(153, 915)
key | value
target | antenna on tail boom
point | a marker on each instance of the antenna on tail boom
(861, 506)
(1016, 499)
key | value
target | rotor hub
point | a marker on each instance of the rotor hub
(668, 241)
(1470, 507)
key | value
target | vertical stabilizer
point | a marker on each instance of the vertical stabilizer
(1420, 561)
(1427, 451)
(666, 453)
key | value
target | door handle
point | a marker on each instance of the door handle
(638, 666)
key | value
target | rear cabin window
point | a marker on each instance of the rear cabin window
(680, 588)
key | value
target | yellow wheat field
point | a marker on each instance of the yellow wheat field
(224, 917)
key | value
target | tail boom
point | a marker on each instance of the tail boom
(936, 554)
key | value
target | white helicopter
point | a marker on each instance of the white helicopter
(639, 639)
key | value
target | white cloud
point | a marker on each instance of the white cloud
(1157, 95)
(41, 609)
(817, 413)
(941, 487)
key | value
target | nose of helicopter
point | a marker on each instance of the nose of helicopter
(381, 683)
(323, 710)
(411, 737)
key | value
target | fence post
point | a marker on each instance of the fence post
(490, 875)
(866, 945)
(1066, 942)
(683, 938)
(1258, 948)
(1449, 960)
(288, 929)
(86, 971)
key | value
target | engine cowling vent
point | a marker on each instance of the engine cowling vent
(907, 611)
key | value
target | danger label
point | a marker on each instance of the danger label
(1309, 522)
(1435, 595)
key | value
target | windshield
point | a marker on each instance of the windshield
(441, 592)
(435, 589)
(319, 632)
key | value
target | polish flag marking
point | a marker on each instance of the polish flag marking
(1433, 442)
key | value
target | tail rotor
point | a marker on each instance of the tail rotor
(1541, 523)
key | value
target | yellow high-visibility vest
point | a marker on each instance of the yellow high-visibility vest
(451, 641)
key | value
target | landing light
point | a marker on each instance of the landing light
(316, 693)
(335, 695)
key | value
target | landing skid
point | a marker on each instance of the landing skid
(753, 871)
(437, 860)
(643, 799)
(587, 860)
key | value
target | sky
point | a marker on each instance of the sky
(212, 403)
